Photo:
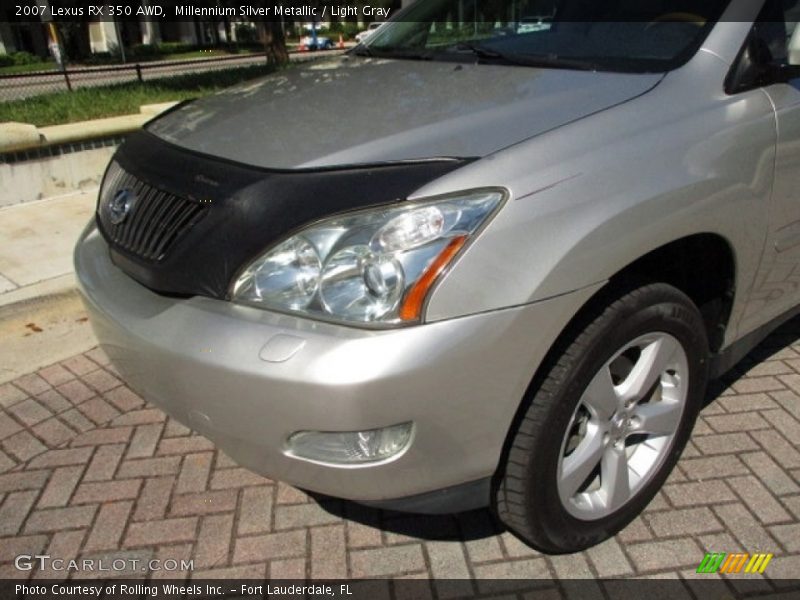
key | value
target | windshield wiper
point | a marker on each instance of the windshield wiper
(549, 61)
(401, 53)
(361, 50)
(479, 50)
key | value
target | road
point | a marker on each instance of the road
(27, 86)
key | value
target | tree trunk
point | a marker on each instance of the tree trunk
(274, 42)
(228, 30)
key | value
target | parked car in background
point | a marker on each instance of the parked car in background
(320, 42)
(531, 24)
(372, 28)
(488, 270)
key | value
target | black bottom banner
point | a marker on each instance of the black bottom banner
(403, 589)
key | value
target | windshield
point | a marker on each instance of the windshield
(623, 35)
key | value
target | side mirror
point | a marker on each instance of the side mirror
(783, 73)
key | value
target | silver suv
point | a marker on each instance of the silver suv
(490, 269)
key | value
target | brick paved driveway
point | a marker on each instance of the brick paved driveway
(88, 469)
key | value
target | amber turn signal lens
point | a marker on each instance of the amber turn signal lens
(415, 298)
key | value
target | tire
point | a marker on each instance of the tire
(644, 351)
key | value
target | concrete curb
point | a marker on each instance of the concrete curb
(49, 288)
(36, 245)
(42, 324)
(52, 165)
(15, 137)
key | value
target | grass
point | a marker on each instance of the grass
(213, 53)
(131, 59)
(38, 66)
(85, 104)
(49, 65)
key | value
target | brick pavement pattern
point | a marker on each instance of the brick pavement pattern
(89, 469)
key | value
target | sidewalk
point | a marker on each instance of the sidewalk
(41, 316)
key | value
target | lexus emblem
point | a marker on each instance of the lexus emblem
(121, 205)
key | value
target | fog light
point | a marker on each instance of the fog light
(351, 447)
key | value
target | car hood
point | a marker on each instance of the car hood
(352, 110)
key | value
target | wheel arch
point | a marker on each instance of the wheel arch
(701, 265)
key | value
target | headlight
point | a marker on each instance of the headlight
(374, 266)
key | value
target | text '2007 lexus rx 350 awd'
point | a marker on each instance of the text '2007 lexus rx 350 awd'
(467, 263)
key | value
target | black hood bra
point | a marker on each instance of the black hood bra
(198, 220)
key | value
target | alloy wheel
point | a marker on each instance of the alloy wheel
(623, 427)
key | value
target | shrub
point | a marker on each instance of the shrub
(246, 34)
(25, 58)
(101, 58)
(18, 58)
(144, 51)
(176, 47)
(348, 28)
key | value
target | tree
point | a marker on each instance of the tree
(274, 41)
(74, 39)
(269, 30)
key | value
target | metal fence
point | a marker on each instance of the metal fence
(26, 85)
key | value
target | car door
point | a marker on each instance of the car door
(776, 40)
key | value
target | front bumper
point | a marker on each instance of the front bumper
(459, 381)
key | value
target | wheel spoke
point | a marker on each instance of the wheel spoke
(623, 425)
(601, 396)
(658, 418)
(653, 361)
(577, 467)
(614, 477)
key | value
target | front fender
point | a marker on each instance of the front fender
(590, 198)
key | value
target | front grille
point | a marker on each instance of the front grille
(155, 221)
